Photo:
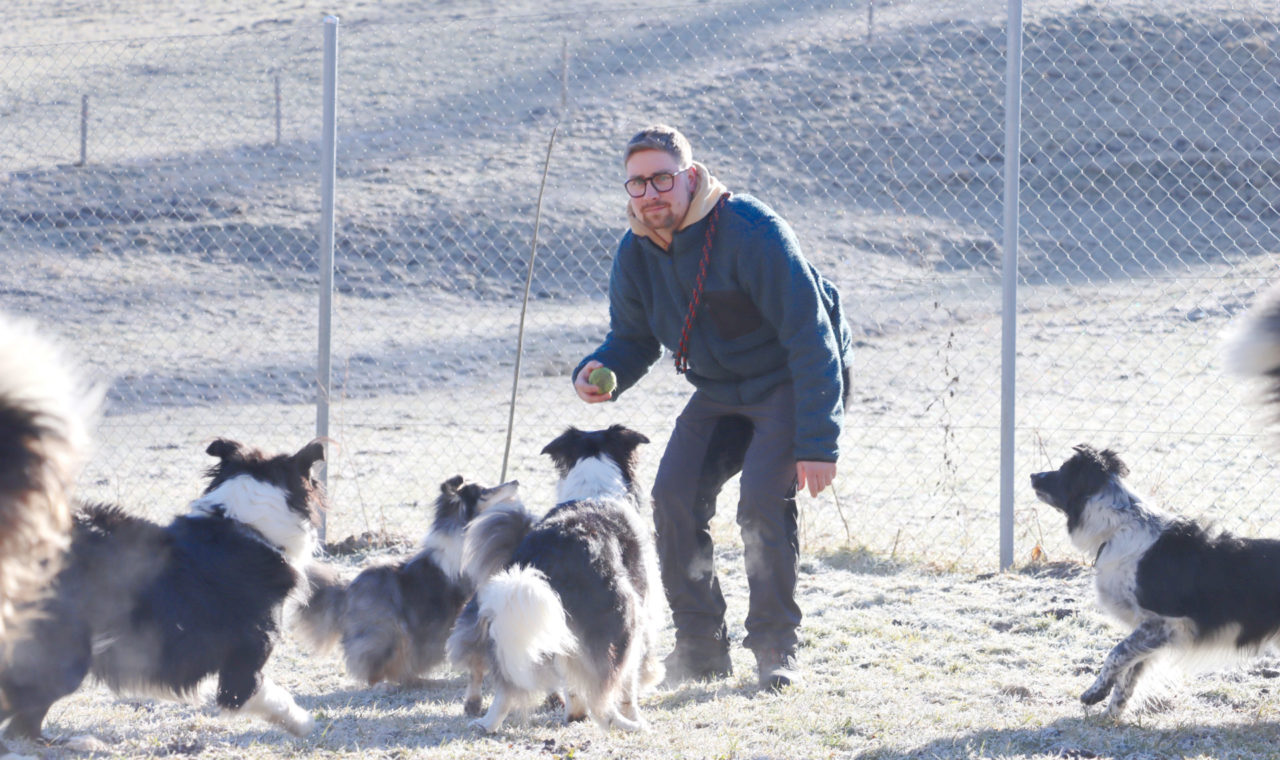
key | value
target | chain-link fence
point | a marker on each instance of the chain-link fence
(161, 212)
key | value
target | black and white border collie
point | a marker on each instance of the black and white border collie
(154, 610)
(393, 619)
(569, 603)
(1182, 589)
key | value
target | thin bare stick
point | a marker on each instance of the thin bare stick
(848, 535)
(524, 307)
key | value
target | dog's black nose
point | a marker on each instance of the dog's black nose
(1036, 477)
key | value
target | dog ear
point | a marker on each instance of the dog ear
(557, 449)
(308, 455)
(627, 435)
(1085, 450)
(225, 448)
(1111, 461)
(451, 486)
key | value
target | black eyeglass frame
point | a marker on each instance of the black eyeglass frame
(655, 180)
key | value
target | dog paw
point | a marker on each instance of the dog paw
(1096, 693)
(1114, 710)
(618, 721)
(472, 707)
(300, 724)
(480, 724)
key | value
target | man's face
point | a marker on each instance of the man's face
(661, 211)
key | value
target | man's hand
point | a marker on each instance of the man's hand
(817, 475)
(586, 391)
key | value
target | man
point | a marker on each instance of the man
(719, 280)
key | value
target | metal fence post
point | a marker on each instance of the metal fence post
(1009, 275)
(84, 130)
(328, 175)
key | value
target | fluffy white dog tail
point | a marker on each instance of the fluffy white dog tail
(1252, 349)
(526, 625)
(45, 415)
(1252, 345)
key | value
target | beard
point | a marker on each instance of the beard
(660, 218)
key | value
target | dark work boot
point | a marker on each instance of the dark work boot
(697, 660)
(777, 668)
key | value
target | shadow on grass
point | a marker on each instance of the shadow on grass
(420, 716)
(1097, 737)
(1060, 569)
(412, 718)
(695, 692)
(860, 560)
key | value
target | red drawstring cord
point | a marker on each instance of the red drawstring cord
(682, 355)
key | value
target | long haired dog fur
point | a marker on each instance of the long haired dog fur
(45, 414)
(155, 609)
(571, 601)
(1253, 347)
(1183, 590)
(393, 619)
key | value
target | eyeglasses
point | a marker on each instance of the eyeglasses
(662, 182)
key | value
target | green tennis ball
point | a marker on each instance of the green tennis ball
(604, 379)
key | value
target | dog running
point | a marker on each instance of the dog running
(1183, 589)
(154, 610)
(1179, 587)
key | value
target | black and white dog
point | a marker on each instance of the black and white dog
(571, 602)
(155, 609)
(1181, 589)
(393, 619)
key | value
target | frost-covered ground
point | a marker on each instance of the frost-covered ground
(180, 263)
(900, 663)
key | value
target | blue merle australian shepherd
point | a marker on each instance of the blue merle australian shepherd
(156, 609)
(393, 619)
(1183, 589)
(568, 603)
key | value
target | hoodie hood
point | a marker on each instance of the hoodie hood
(705, 194)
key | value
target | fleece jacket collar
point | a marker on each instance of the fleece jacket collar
(705, 195)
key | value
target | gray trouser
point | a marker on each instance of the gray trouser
(711, 443)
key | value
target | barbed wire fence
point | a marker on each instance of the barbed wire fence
(161, 213)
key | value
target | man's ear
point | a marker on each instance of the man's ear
(693, 178)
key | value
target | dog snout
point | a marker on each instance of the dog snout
(1048, 488)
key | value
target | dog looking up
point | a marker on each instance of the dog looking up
(393, 619)
(45, 413)
(1180, 588)
(571, 602)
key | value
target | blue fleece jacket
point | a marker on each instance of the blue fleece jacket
(766, 316)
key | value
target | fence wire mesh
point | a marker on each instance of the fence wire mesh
(177, 251)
